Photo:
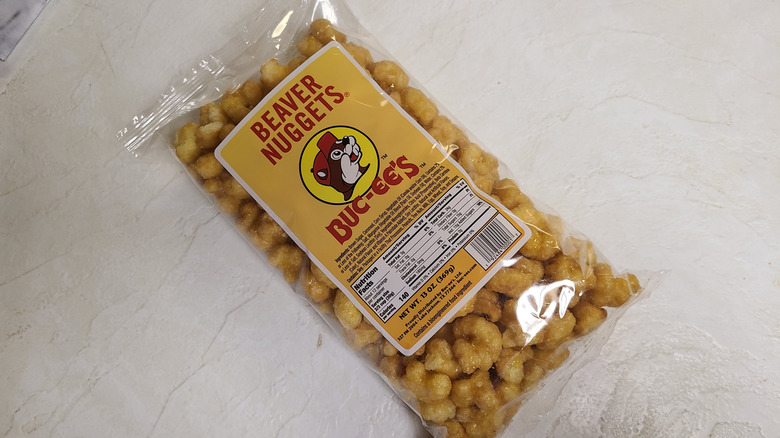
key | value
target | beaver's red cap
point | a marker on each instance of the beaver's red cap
(321, 169)
(326, 142)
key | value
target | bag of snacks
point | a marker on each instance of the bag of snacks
(390, 218)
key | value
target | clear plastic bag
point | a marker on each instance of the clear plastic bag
(509, 347)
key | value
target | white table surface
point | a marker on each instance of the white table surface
(129, 307)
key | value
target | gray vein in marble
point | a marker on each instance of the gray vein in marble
(17, 188)
(294, 415)
(170, 394)
(174, 178)
(141, 22)
(225, 320)
(34, 268)
(190, 239)
(659, 106)
(86, 390)
(13, 415)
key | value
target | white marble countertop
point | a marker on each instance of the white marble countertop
(129, 307)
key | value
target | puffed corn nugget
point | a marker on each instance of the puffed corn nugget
(348, 315)
(439, 357)
(427, 386)
(361, 336)
(476, 389)
(469, 376)
(477, 343)
(389, 76)
(315, 289)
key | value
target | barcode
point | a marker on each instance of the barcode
(487, 246)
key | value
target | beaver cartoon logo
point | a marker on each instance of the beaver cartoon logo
(338, 164)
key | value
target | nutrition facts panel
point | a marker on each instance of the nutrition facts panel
(460, 218)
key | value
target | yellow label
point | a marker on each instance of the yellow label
(371, 197)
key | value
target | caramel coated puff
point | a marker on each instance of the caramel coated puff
(207, 136)
(480, 424)
(235, 106)
(324, 32)
(481, 166)
(550, 359)
(362, 335)
(611, 291)
(476, 389)
(488, 305)
(445, 132)
(396, 96)
(513, 335)
(439, 357)
(418, 106)
(477, 343)
(227, 128)
(271, 73)
(315, 289)
(455, 430)
(213, 186)
(509, 391)
(542, 245)
(438, 411)
(543, 361)
(582, 250)
(388, 349)
(309, 45)
(326, 306)
(483, 182)
(208, 166)
(588, 317)
(474, 159)
(389, 75)
(361, 54)
(288, 258)
(372, 351)
(533, 371)
(463, 311)
(252, 92)
(445, 332)
(187, 150)
(509, 194)
(510, 364)
(211, 112)
(564, 267)
(513, 280)
(557, 331)
(392, 367)
(248, 214)
(321, 276)
(265, 234)
(348, 315)
(427, 386)
(228, 204)
(231, 187)
(295, 62)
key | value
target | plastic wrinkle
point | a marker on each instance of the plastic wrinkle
(212, 76)
(176, 102)
(540, 303)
